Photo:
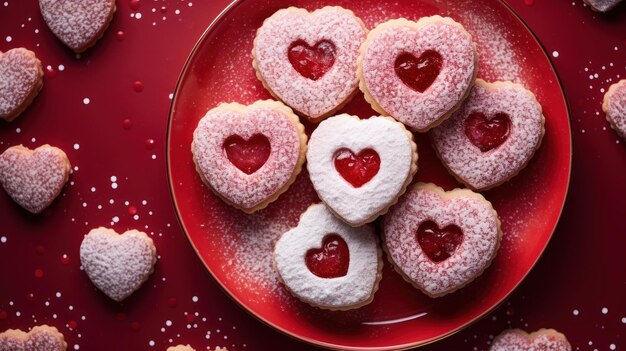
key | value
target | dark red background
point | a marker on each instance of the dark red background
(582, 272)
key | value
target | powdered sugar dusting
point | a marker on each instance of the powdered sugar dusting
(482, 170)
(541, 340)
(34, 179)
(469, 211)
(77, 23)
(391, 96)
(117, 264)
(352, 290)
(20, 78)
(313, 98)
(39, 338)
(602, 5)
(271, 119)
(388, 138)
(614, 107)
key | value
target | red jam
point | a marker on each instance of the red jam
(312, 62)
(330, 261)
(248, 155)
(487, 134)
(438, 244)
(357, 169)
(418, 73)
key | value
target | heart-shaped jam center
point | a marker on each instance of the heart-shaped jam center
(312, 62)
(438, 244)
(418, 73)
(331, 260)
(247, 155)
(487, 134)
(357, 169)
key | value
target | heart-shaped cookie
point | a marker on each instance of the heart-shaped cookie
(614, 106)
(21, 79)
(34, 178)
(360, 167)
(440, 241)
(492, 136)
(308, 60)
(78, 24)
(117, 264)
(541, 340)
(417, 72)
(40, 338)
(602, 5)
(249, 155)
(329, 264)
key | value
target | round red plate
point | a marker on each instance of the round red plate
(237, 248)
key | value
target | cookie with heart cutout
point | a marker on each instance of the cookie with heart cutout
(41, 337)
(34, 178)
(541, 340)
(492, 137)
(614, 107)
(249, 155)
(359, 168)
(181, 348)
(308, 59)
(78, 24)
(117, 264)
(329, 264)
(441, 241)
(417, 72)
(602, 5)
(22, 79)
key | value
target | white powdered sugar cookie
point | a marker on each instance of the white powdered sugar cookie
(417, 72)
(359, 168)
(40, 338)
(614, 106)
(328, 264)
(541, 340)
(117, 264)
(249, 155)
(21, 79)
(34, 178)
(78, 24)
(493, 136)
(602, 5)
(440, 241)
(308, 60)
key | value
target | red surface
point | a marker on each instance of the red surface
(573, 288)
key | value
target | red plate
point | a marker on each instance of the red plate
(236, 248)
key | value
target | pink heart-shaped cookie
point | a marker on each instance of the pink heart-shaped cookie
(492, 136)
(117, 264)
(249, 155)
(602, 5)
(78, 24)
(614, 106)
(417, 72)
(308, 60)
(327, 263)
(359, 168)
(40, 338)
(21, 79)
(34, 178)
(541, 340)
(440, 241)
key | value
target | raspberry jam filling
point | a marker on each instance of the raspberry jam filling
(357, 169)
(247, 155)
(438, 244)
(312, 62)
(418, 73)
(331, 260)
(487, 134)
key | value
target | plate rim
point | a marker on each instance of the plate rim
(218, 18)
